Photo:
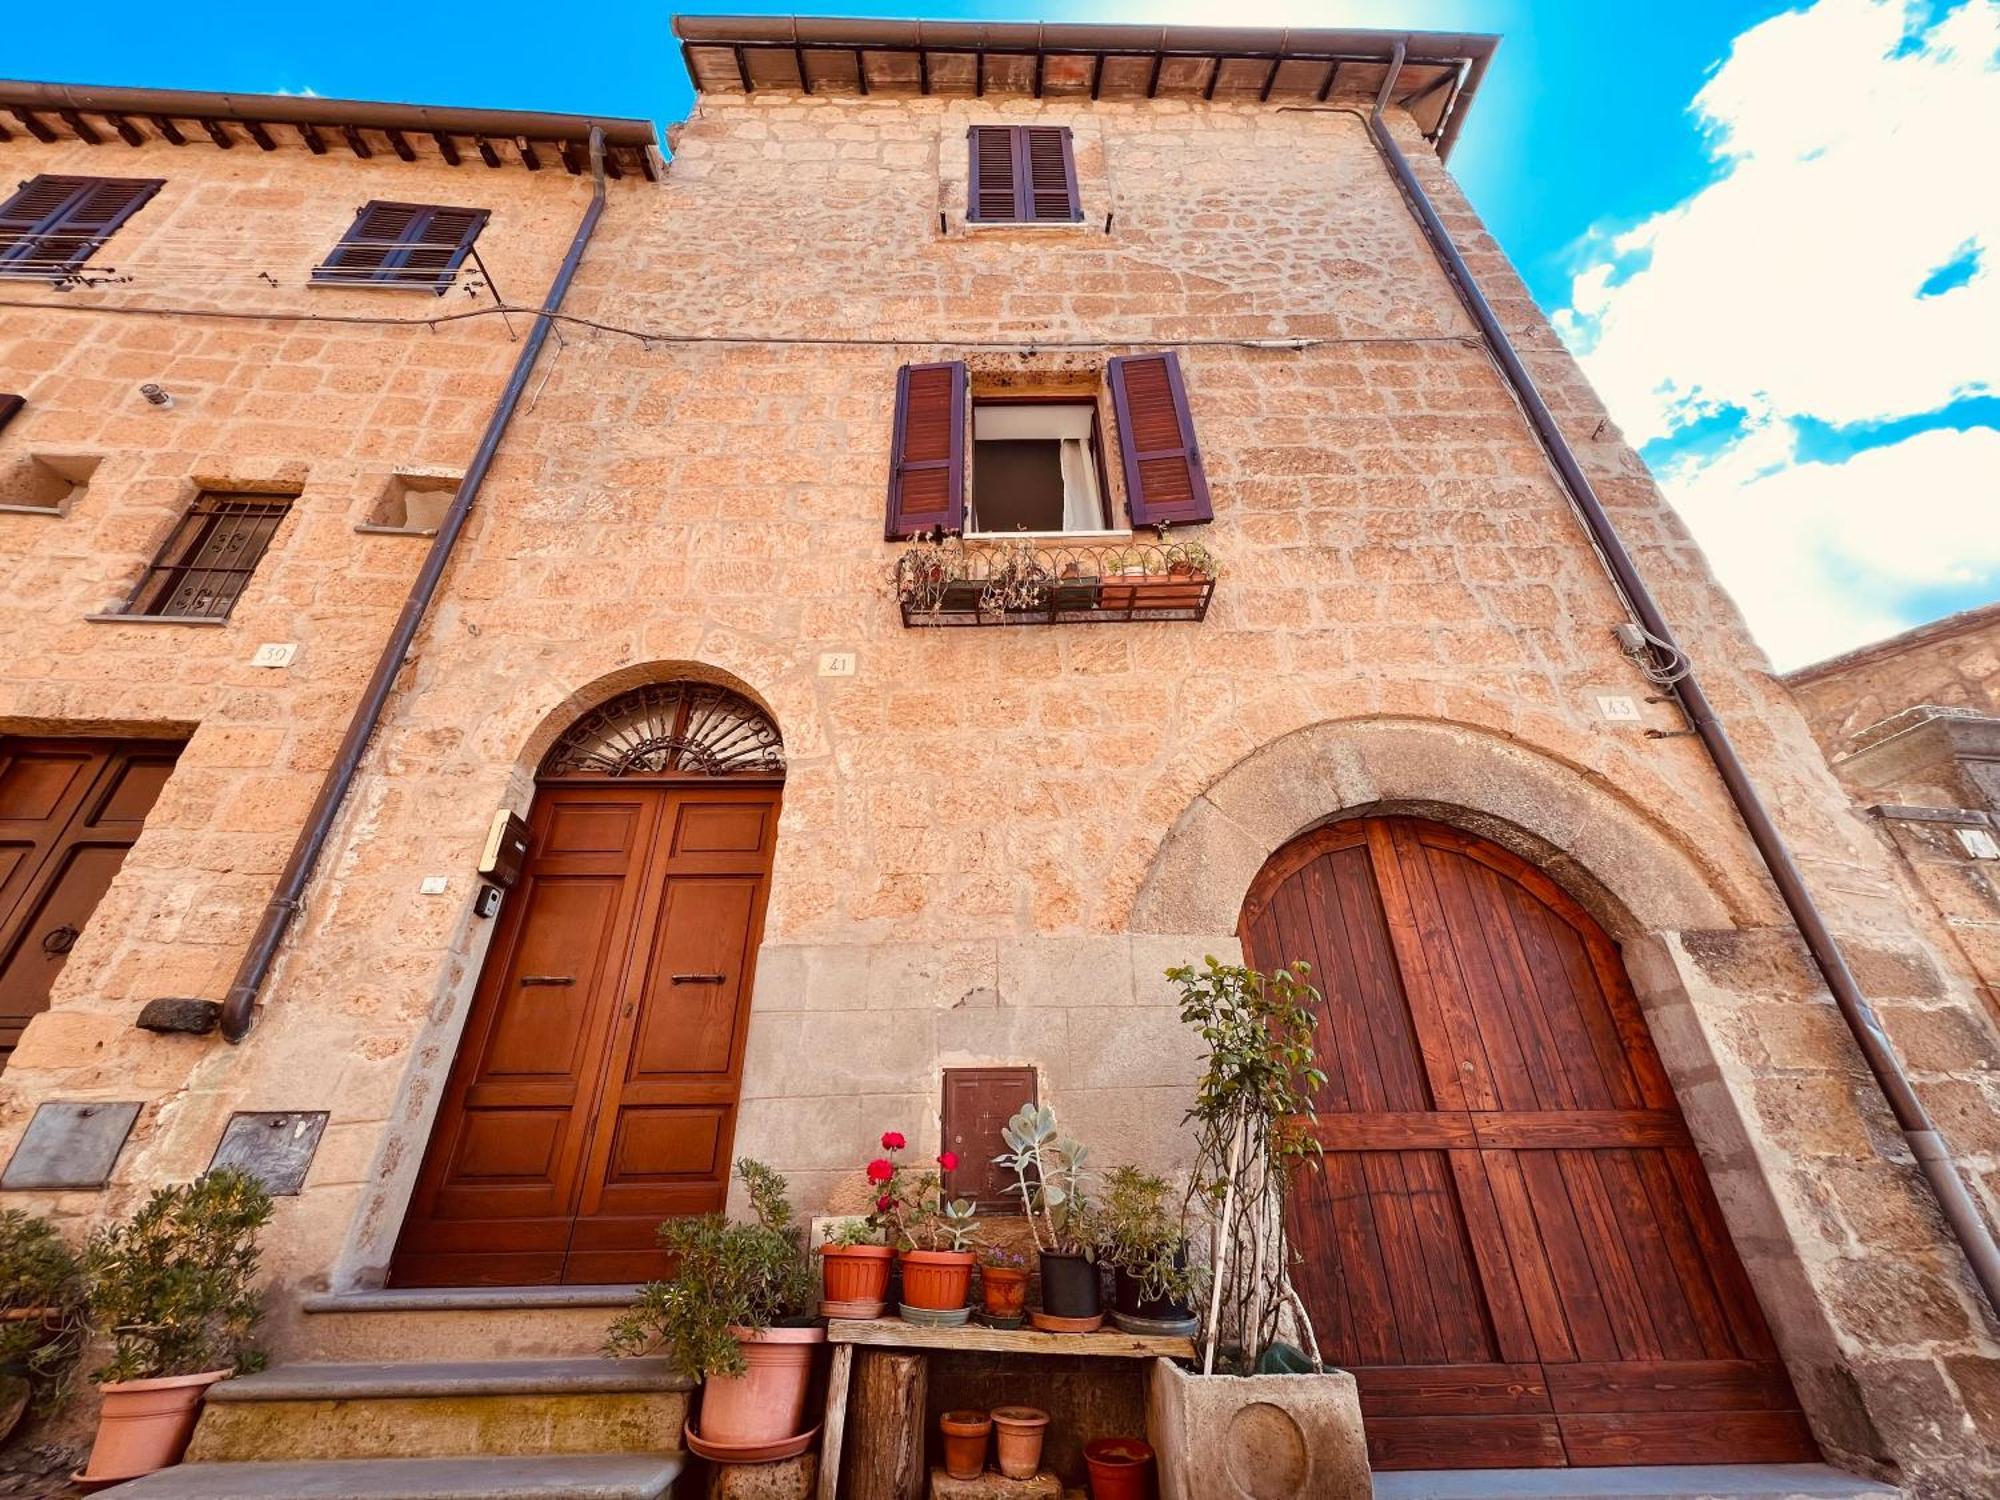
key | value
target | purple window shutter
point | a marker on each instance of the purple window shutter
(1164, 482)
(927, 452)
(993, 196)
(1048, 175)
(59, 222)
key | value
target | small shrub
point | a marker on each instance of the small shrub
(1140, 1235)
(42, 1290)
(726, 1276)
(172, 1284)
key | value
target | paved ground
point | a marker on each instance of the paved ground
(39, 1471)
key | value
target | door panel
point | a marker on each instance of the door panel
(1509, 1239)
(594, 1092)
(69, 811)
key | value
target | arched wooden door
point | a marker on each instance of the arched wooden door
(1510, 1240)
(595, 1087)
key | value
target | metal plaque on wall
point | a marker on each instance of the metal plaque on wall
(70, 1143)
(274, 1146)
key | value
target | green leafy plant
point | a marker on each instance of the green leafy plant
(44, 1307)
(727, 1277)
(172, 1284)
(1143, 1233)
(1251, 1112)
(1049, 1174)
(854, 1232)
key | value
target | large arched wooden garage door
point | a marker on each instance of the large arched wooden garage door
(1511, 1241)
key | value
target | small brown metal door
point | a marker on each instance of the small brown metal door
(594, 1092)
(69, 809)
(1510, 1240)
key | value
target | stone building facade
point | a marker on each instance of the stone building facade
(992, 841)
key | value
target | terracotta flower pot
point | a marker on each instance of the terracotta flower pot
(937, 1279)
(1018, 1432)
(855, 1273)
(145, 1424)
(1003, 1290)
(767, 1401)
(1120, 1468)
(965, 1434)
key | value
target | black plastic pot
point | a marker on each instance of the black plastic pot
(1127, 1300)
(1069, 1287)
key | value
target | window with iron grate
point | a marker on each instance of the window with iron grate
(206, 563)
(402, 245)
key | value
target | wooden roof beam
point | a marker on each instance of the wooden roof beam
(217, 134)
(127, 131)
(315, 142)
(260, 135)
(486, 152)
(82, 128)
(400, 145)
(169, 131)
(529, 158)
(355, 143)
(447, 147)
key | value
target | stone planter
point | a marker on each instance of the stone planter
(1272, 1437)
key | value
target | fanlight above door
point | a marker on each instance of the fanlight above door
(670, 729)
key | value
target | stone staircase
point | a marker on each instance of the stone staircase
(525, 1410)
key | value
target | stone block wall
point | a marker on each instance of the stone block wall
(994, 841)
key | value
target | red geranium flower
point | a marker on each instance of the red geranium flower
(949, 1161)
(892, 1140)
(884, 1204)
(881, 1170)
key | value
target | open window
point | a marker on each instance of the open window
(1036, 468)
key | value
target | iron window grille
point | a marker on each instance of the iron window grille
(53, 224)
(402, 245)
(206, 563)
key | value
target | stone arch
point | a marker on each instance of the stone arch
(1625, 865)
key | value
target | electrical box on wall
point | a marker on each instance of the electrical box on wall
(506, 852)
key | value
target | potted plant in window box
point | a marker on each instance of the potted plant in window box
(1125, 573)
(1003, 1287)
(1077, 584)
(1252, 1114)
(1049, 1174)
(44, 1317)
(171, 1286)
(736, 1316)
(933, 1234)
(1189, 568)
(1143, 1237)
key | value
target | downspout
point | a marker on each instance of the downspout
(1975, 1238)
(239, 1007)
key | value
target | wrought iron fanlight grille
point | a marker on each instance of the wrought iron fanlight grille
(670, 729)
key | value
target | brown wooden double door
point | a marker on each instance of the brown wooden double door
(595, 1088)
(69, 810)
(1510, 1240)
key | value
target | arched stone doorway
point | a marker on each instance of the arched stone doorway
(595, 1087)
(1510, 1239)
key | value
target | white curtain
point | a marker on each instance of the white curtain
(1081, 510)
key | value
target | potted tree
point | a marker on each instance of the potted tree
(1252, 1114)
(171, 1286)
(1143, 1237)
(933, 1235)
(1049, 1175)
(44, 1317)
(737, 1316)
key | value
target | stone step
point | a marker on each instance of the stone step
(470, 1322)
(1643, 1482)
(589, 1476)
(324, 1411)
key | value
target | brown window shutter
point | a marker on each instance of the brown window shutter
(377, 234)
(1049, 175)
(927, 452)
(10, 408)
(994, 197)
(404, 244)
(978, 1102)
(1164, 483)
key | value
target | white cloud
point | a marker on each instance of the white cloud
(1854, 142)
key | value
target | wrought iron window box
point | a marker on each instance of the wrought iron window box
(955, 583)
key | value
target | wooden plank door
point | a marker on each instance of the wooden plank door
(594, 1091)
(1510, 1240)
(69, 811)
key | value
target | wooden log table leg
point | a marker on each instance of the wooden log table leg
(835, 1427)
(889, 1389)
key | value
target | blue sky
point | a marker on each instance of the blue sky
(1753, 221)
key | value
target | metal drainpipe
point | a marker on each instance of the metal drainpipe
(239, 1007)
(1926, 1145)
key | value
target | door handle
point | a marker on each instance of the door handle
(549, 979)
(700, 978)
(59, 940)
